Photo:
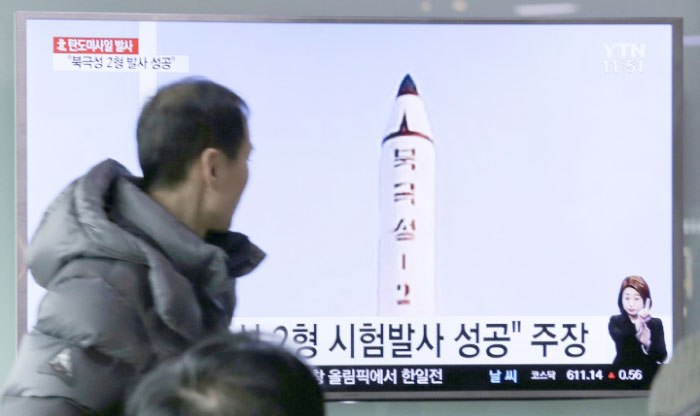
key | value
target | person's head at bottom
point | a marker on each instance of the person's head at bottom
(229, 375)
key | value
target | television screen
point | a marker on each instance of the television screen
(450, 209)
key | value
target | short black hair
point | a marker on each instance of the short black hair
(182, 120)
(229, 375)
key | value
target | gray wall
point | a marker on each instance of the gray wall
(688, 9)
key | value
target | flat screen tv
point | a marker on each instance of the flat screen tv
(449, 207)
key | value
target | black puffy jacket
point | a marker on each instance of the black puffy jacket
(127, 286)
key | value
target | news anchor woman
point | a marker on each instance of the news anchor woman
(639, 338)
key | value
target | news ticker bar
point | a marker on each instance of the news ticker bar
(481, 377)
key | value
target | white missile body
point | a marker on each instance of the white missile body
(407, 209)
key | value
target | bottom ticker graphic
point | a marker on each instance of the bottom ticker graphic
(480, 377)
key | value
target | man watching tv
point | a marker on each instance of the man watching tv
(137, 269)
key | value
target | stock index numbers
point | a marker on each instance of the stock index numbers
(576, 377)
(566, 377)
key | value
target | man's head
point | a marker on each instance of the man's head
(196, 131)
(229, 375)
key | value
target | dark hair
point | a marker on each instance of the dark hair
(182, 120)
(637, 283)
(229, 375)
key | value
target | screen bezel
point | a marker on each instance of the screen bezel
(22, 17)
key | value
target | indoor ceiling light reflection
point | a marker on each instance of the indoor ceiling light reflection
(459, 5)
(550, 9)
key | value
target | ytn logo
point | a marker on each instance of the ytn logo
(625, 50)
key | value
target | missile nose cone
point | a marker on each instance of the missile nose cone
(407, 86)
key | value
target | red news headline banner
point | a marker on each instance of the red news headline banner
(108, 46)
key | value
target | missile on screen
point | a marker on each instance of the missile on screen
(407, 209)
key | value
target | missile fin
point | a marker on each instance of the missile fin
(403, 129)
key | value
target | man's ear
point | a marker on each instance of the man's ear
(210, 161)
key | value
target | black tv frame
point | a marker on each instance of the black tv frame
(21, 17)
